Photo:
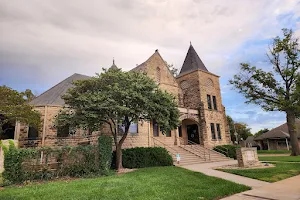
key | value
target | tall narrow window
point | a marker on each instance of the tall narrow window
(209, 101)
(155, 129)
(213, 132)
(215, 103)
(133, 129)
(168, 134)
(158, 75)
(179, 131)
(219, 132)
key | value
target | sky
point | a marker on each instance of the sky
(43, 42)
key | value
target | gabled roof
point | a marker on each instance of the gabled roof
(142, 67)
(53, 95)
(250, 139)
(192, 62)
(279, 132)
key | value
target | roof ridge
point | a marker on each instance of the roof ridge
(67, 80)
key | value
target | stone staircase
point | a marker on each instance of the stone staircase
(195, 154)
(191, 153)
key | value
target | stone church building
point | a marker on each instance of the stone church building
(202, 115)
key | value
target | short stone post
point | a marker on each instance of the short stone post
(247, 157)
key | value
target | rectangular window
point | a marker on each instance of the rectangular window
(215, 103)
(133, 129)
(155, 129)
(168, 134)
(209, 101)
(219, 132)
(179, 131)
(213, 133)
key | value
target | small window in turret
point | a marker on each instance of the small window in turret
(215, 103)
(209, 102)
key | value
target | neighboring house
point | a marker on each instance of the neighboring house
(249, 142)
(202, 115)
(277, 138)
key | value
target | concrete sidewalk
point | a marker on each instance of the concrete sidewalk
(207, 168)
(288, 189)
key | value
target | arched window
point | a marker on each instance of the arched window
(209, 83)
(158, 75)
(184, 85)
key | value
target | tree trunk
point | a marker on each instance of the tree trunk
(119, 157)
(290, 116)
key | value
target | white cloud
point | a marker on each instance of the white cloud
(42, 42)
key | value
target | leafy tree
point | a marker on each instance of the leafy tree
(260, 132)
(115, 97)
(13, 107)
(172, 69)
(28, 95)
(231, 127)
(241, 128)
(277, 90)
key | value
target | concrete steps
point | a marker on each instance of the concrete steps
(195, 154)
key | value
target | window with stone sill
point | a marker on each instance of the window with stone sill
(213, 132)
(215, 102)
(209, 102)
(180, 131)
(219, 131)
(169, 134)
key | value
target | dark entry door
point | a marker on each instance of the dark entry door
(192, 132)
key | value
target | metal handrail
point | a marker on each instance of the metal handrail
(226, 151)
(191, 145)
(165, 145)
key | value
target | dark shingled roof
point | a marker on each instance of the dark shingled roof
(53, 95)
(279, 132)
(192, 62)
(250, 139)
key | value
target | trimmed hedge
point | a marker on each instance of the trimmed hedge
(141, 157)
(224, 148)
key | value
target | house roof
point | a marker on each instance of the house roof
(142, 67)
(279, 132)
(192, 62)
(53, 95)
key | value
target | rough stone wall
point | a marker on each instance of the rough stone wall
(209, 85)
(189, 85)
(195, 87)
(166, 79)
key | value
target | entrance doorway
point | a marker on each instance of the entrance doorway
(192, 132)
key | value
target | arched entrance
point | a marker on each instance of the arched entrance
(190, 131)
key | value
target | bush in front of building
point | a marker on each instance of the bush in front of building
(105, 153)
(46, 163)
(228, 150)
(141, 157)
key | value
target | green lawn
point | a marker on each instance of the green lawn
(280, 158)
(279, 172)
(148, 183)
(273, 152)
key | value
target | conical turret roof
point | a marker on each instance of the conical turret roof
(192, 62)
